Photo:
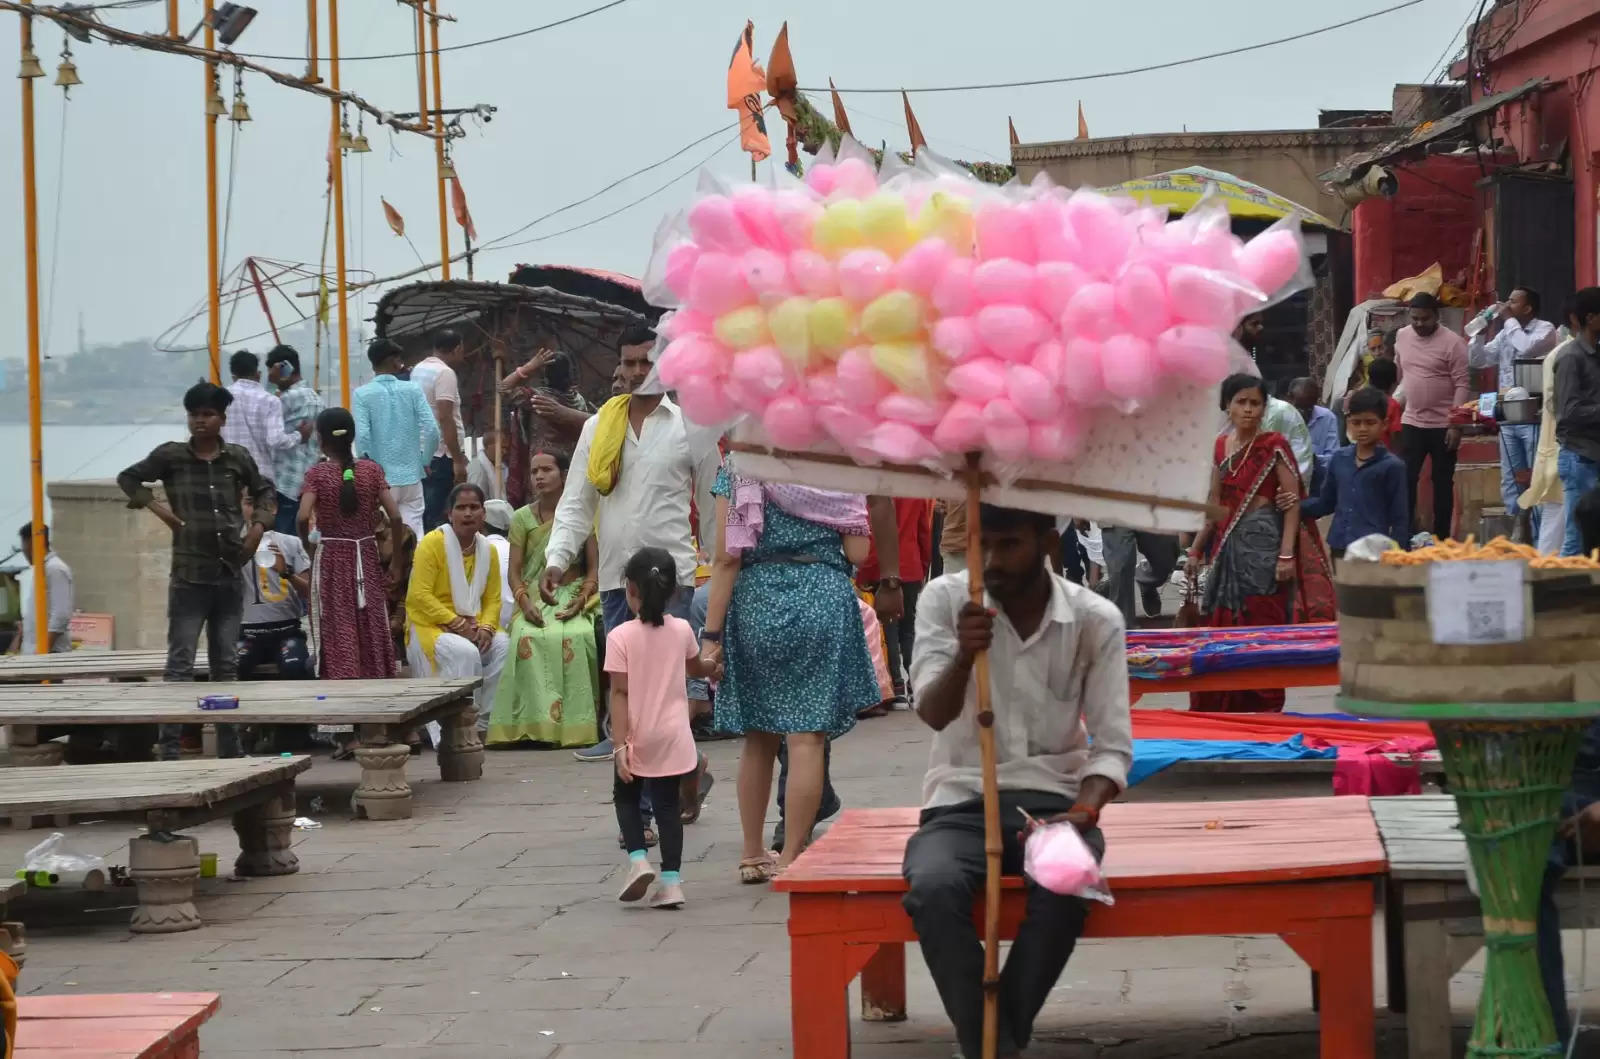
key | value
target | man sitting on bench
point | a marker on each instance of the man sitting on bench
(1057, 664)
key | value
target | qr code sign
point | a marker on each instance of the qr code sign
(1486, 621)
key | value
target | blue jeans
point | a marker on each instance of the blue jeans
(1579, 474)
(436, 492)
(288, 510)
(1519, 442)
(219, 608)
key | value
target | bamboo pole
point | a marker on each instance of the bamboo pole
(498, 455)
(172, 20)
(313, 74)
(991, 790)
(439, 137)
(213, 254)
(30, 244)
(338, 207)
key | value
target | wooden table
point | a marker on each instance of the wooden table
(381, 710)
(1432, 925)
(257, 792)
(115, 1026)
(1301, 868)
(1250, 678)
(89, 665)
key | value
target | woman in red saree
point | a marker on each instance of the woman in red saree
(1268, 567)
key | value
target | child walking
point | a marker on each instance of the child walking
(648, 659)
(1365, 487)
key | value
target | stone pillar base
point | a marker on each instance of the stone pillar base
(383, 793)
(461, 749)
(164, 870)
(264, 837)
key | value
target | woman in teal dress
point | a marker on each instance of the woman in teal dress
(784, 621)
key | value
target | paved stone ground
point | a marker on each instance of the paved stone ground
(486, 927)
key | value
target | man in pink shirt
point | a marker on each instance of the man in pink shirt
(1433, 367)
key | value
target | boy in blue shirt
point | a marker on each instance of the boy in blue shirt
(1365, 487)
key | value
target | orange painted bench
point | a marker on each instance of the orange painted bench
(114, 1026)
(1249, 678)
(1300, 868)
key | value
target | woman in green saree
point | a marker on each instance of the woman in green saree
(551, 683)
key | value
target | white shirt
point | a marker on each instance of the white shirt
(255, 420)
(58, 594)
(665, 464)
(1512, 342)
(502, 548)
(438, 382)
(480, 472)
(1067, 681)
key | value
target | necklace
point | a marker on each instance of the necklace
(1239, 455)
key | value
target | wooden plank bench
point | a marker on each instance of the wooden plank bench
(257, 792)
(1300, 868)
(1431, 919)
(114, 1026)
(89, 665)
(382, 711)
(1249, 678)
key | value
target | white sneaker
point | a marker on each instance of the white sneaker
(640, 876)
(667, 896)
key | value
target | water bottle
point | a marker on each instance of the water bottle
(1476, 325)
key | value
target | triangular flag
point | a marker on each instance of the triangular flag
(396, 222)
(1013, 127)
(1083, 126)
(783, 86)
(458, 201)
(912, 128)
(746, 82)
(840, 119)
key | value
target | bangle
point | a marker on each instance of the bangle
(889, 582)
(1088, 810)
(711, 635)
(1285, 558)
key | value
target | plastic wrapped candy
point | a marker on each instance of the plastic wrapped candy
(1057, 858)
(911, 314)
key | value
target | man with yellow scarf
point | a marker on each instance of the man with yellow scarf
(636, 467)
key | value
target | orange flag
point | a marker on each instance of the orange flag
(1083, 126)
(396, 222)
(746, 81)
(1013, 127)
(912, 128)
(840, 119)
(782, 81)
(458, 201)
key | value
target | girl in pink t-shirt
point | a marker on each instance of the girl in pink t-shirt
(648, 659)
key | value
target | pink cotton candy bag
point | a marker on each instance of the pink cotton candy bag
(1057, 858)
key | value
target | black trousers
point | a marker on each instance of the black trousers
(829, 797)
(663, 792)
(900, 636)
(944, 864)
(1418, 444)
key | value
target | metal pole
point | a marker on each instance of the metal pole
(338, 207)
(313, 75)
(438, 143)
(30, 244)
(213, 265)
(172, 20)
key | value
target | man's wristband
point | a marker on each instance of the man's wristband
(889, 582)
(1090, 811)
(711, 635)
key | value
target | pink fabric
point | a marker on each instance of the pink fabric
(880, 663)
(1434, 373)
(844, 512)
(652, 657)
(1368, 769)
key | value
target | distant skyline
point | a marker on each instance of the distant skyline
(581, 105)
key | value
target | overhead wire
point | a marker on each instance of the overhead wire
(1132, 69)
(453, 47)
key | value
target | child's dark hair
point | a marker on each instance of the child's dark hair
(1369, 400)
(654, 576)
(207, 395)
(336, 428)
(1384, 374)
(1587, 512)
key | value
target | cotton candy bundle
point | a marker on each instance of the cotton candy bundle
(1057, 858)
(932, 315)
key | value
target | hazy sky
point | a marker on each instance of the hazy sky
(585, 103)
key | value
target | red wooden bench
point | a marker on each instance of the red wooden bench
(1258, 678)
(115, 1026)
(1300, 868)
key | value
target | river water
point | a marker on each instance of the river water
(70, 451)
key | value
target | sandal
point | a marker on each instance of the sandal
(756, 870)
(703, 781)
(649, 839)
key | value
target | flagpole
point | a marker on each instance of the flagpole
(338, 206)
(30, 249)
(213, 265)
(468, 239)
(438, 142)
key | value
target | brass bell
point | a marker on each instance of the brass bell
(359, 144)
(214, 104)
(67, 74)
(447, 169)
(30, 64)
(346, 143)
(241, 111)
